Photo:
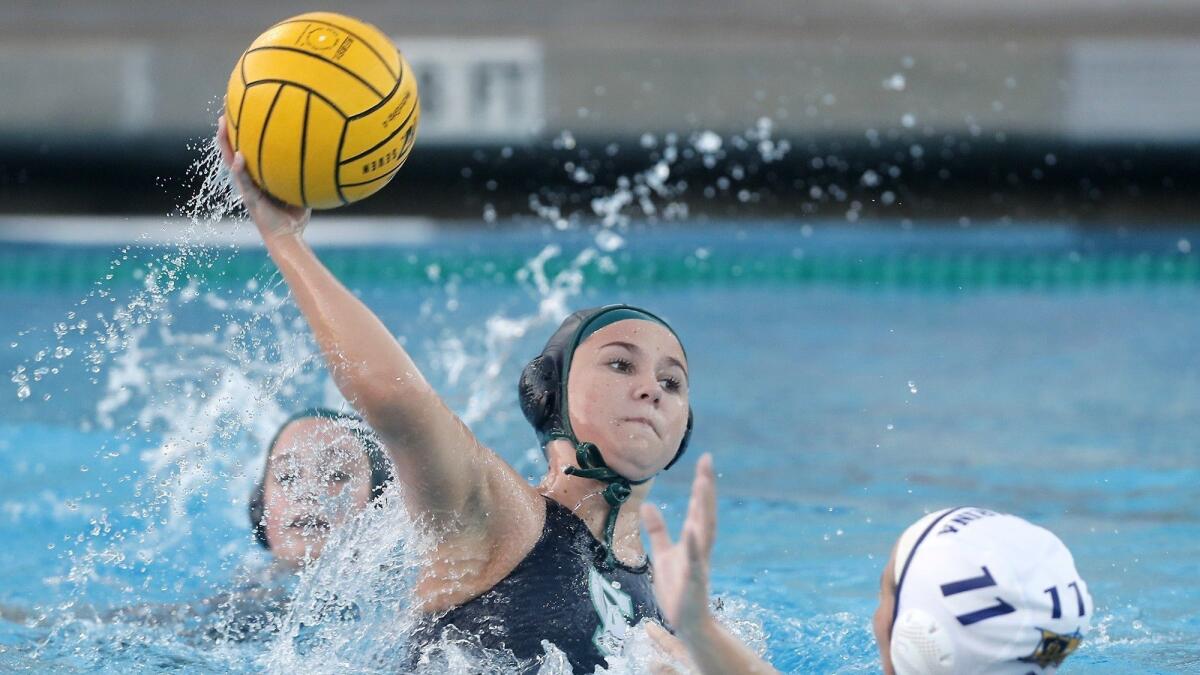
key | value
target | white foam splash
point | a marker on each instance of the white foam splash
(352, 608)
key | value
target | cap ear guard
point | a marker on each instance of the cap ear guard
(687, 436)
(538, 393)
(920, 646)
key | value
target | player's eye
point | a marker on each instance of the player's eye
(621, 365)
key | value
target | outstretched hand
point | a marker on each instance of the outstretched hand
(273, 217)
(681, 568)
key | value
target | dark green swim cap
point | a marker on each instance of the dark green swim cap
(542, 389)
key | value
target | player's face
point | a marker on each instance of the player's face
(318, 478)
(628, 394)
(881, 623)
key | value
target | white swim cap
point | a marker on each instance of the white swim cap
(987, 593)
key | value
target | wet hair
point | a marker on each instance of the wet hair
(542, 388)
(381, 469)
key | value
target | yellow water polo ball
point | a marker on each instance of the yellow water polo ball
(324, 108)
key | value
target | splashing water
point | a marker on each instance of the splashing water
(359, 621)
(196, 377)
(198, 401)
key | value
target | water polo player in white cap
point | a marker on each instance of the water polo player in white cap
(968, 590)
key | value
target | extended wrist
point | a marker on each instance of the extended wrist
(292, 230)
(289, 234)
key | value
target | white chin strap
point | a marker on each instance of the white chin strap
(920, 646)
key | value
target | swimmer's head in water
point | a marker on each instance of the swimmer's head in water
(624, 372)
(322, 467)
(969, 590)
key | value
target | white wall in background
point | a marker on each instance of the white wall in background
(1133, 89)
(472, 89)
(478, 89)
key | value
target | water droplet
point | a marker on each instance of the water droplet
(708, 142)
(565, 141)
(581, 175)
(609, 241)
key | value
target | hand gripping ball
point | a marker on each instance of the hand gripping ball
(324, 109)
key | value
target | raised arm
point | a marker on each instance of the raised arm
(443, 468)
(681, 584)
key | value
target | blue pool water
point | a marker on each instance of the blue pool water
(837, 412)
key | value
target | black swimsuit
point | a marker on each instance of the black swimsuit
(560, 592)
